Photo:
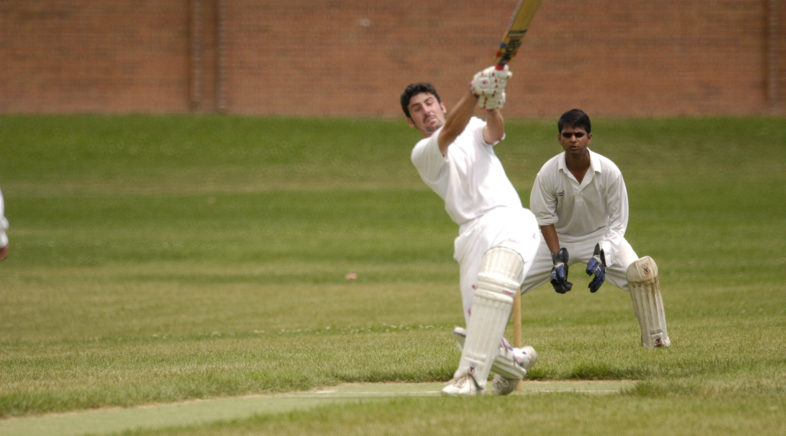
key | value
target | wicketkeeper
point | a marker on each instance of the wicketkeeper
(581, 203)
(497, 237)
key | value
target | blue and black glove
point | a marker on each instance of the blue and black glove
(559, 273)
(597, 267)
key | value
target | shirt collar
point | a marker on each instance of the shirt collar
(594, 161)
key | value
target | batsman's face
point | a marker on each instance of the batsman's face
(574, 140)
(426, 113)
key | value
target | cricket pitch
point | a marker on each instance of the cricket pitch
(113, 420)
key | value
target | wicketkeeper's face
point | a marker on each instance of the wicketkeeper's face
(574, 140)
(426, 113)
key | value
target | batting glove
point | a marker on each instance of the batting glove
(491, 102)
(490, 81)
(597, 267)
(559, 273)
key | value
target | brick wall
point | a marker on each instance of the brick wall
(353, 57)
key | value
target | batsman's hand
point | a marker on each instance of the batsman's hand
(597, 267)
(491, 102)
(559, 273)
(490, 81)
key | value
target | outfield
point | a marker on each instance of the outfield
(157, 260)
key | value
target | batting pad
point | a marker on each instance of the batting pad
(498, 281)
(647, 302)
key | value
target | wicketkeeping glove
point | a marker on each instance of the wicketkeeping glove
(559, 273)
(597, 266)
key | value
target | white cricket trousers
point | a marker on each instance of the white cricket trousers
(514, 228)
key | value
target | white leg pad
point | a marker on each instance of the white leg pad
(498, 281)
(647, 302)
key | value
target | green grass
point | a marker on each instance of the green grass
(542, 415)
(158, 259)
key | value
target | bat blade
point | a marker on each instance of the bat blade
(519, 24)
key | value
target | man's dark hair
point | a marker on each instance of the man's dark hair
(574, 118)
(414, 89)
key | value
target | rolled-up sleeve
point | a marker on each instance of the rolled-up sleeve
(542, 201)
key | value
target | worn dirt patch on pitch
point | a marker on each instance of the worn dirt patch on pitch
(112, 420)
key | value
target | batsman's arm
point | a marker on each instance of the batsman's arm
(457, 121)
(495, 127)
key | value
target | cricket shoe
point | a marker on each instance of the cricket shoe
(463, 385)
(503, 386)
(524, 358)
(511, 363)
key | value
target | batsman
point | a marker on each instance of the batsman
(581, 203)
(497, 237)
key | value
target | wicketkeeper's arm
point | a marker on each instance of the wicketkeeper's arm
(560, 257)
(550, 237)
(617, 205)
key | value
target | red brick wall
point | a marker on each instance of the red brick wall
(93, 56)
(353, 57)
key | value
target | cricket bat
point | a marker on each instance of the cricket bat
(519, 24)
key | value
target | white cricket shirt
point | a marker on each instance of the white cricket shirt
(597, 207)
(470, 178)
